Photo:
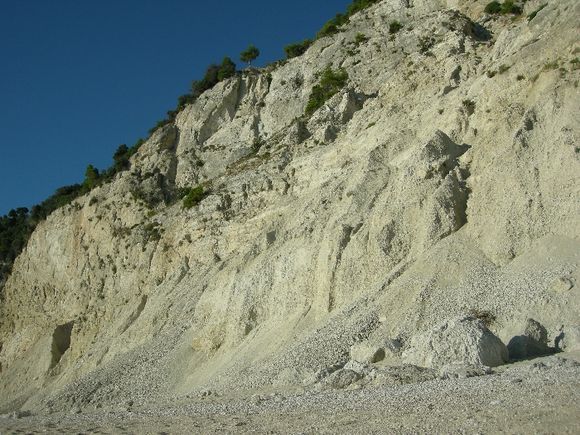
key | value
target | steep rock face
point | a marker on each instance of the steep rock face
(427, 187)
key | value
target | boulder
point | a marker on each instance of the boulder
(369, 352)
(570, 339)
(533, 343)
(536, 331)
(341, 379)
(366, 353)
(464, 340)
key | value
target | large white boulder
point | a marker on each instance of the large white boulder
(465, 340)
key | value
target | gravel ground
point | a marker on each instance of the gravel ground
(539, 396)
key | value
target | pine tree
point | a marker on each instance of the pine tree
(91, 177)
(249, 54)
(227, 69)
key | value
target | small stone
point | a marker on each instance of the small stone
(206, 393)
(394, 346)
(561, 285)
(256, 399)
(462, 371)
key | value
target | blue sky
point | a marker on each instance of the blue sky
(78, 78)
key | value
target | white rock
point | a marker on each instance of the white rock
(463, 340)
(367, 353)
(571, 339)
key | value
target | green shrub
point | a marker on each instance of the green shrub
(332, 25)
(394, 27)
(209, 80)
(121, 158)
(17, 225)
(92, 177)
(508, 7)
(493, 8)
(330, 83)
(359, 5)
(182, 101)
(213, 75)
(227, 69)
(194, 196)
(297, 49)
(15, 229)
(62, 196)
(534, 13)
(360, 38)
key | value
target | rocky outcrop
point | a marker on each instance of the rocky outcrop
(432, 185)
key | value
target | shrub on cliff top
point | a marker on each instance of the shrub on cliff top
(297, 49)
(507, 7)
(493, 8)
(330, 83)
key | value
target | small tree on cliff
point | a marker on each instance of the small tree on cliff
(92, 177)
(249, 54)
(227, 69)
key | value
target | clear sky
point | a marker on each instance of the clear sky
(78, 78)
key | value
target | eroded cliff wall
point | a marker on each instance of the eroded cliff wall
(443, 178)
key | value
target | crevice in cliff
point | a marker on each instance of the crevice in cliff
(61, 338)
(465, 173)
(135, 315)
(341, 246)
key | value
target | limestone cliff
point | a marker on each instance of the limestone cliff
(443, 178)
